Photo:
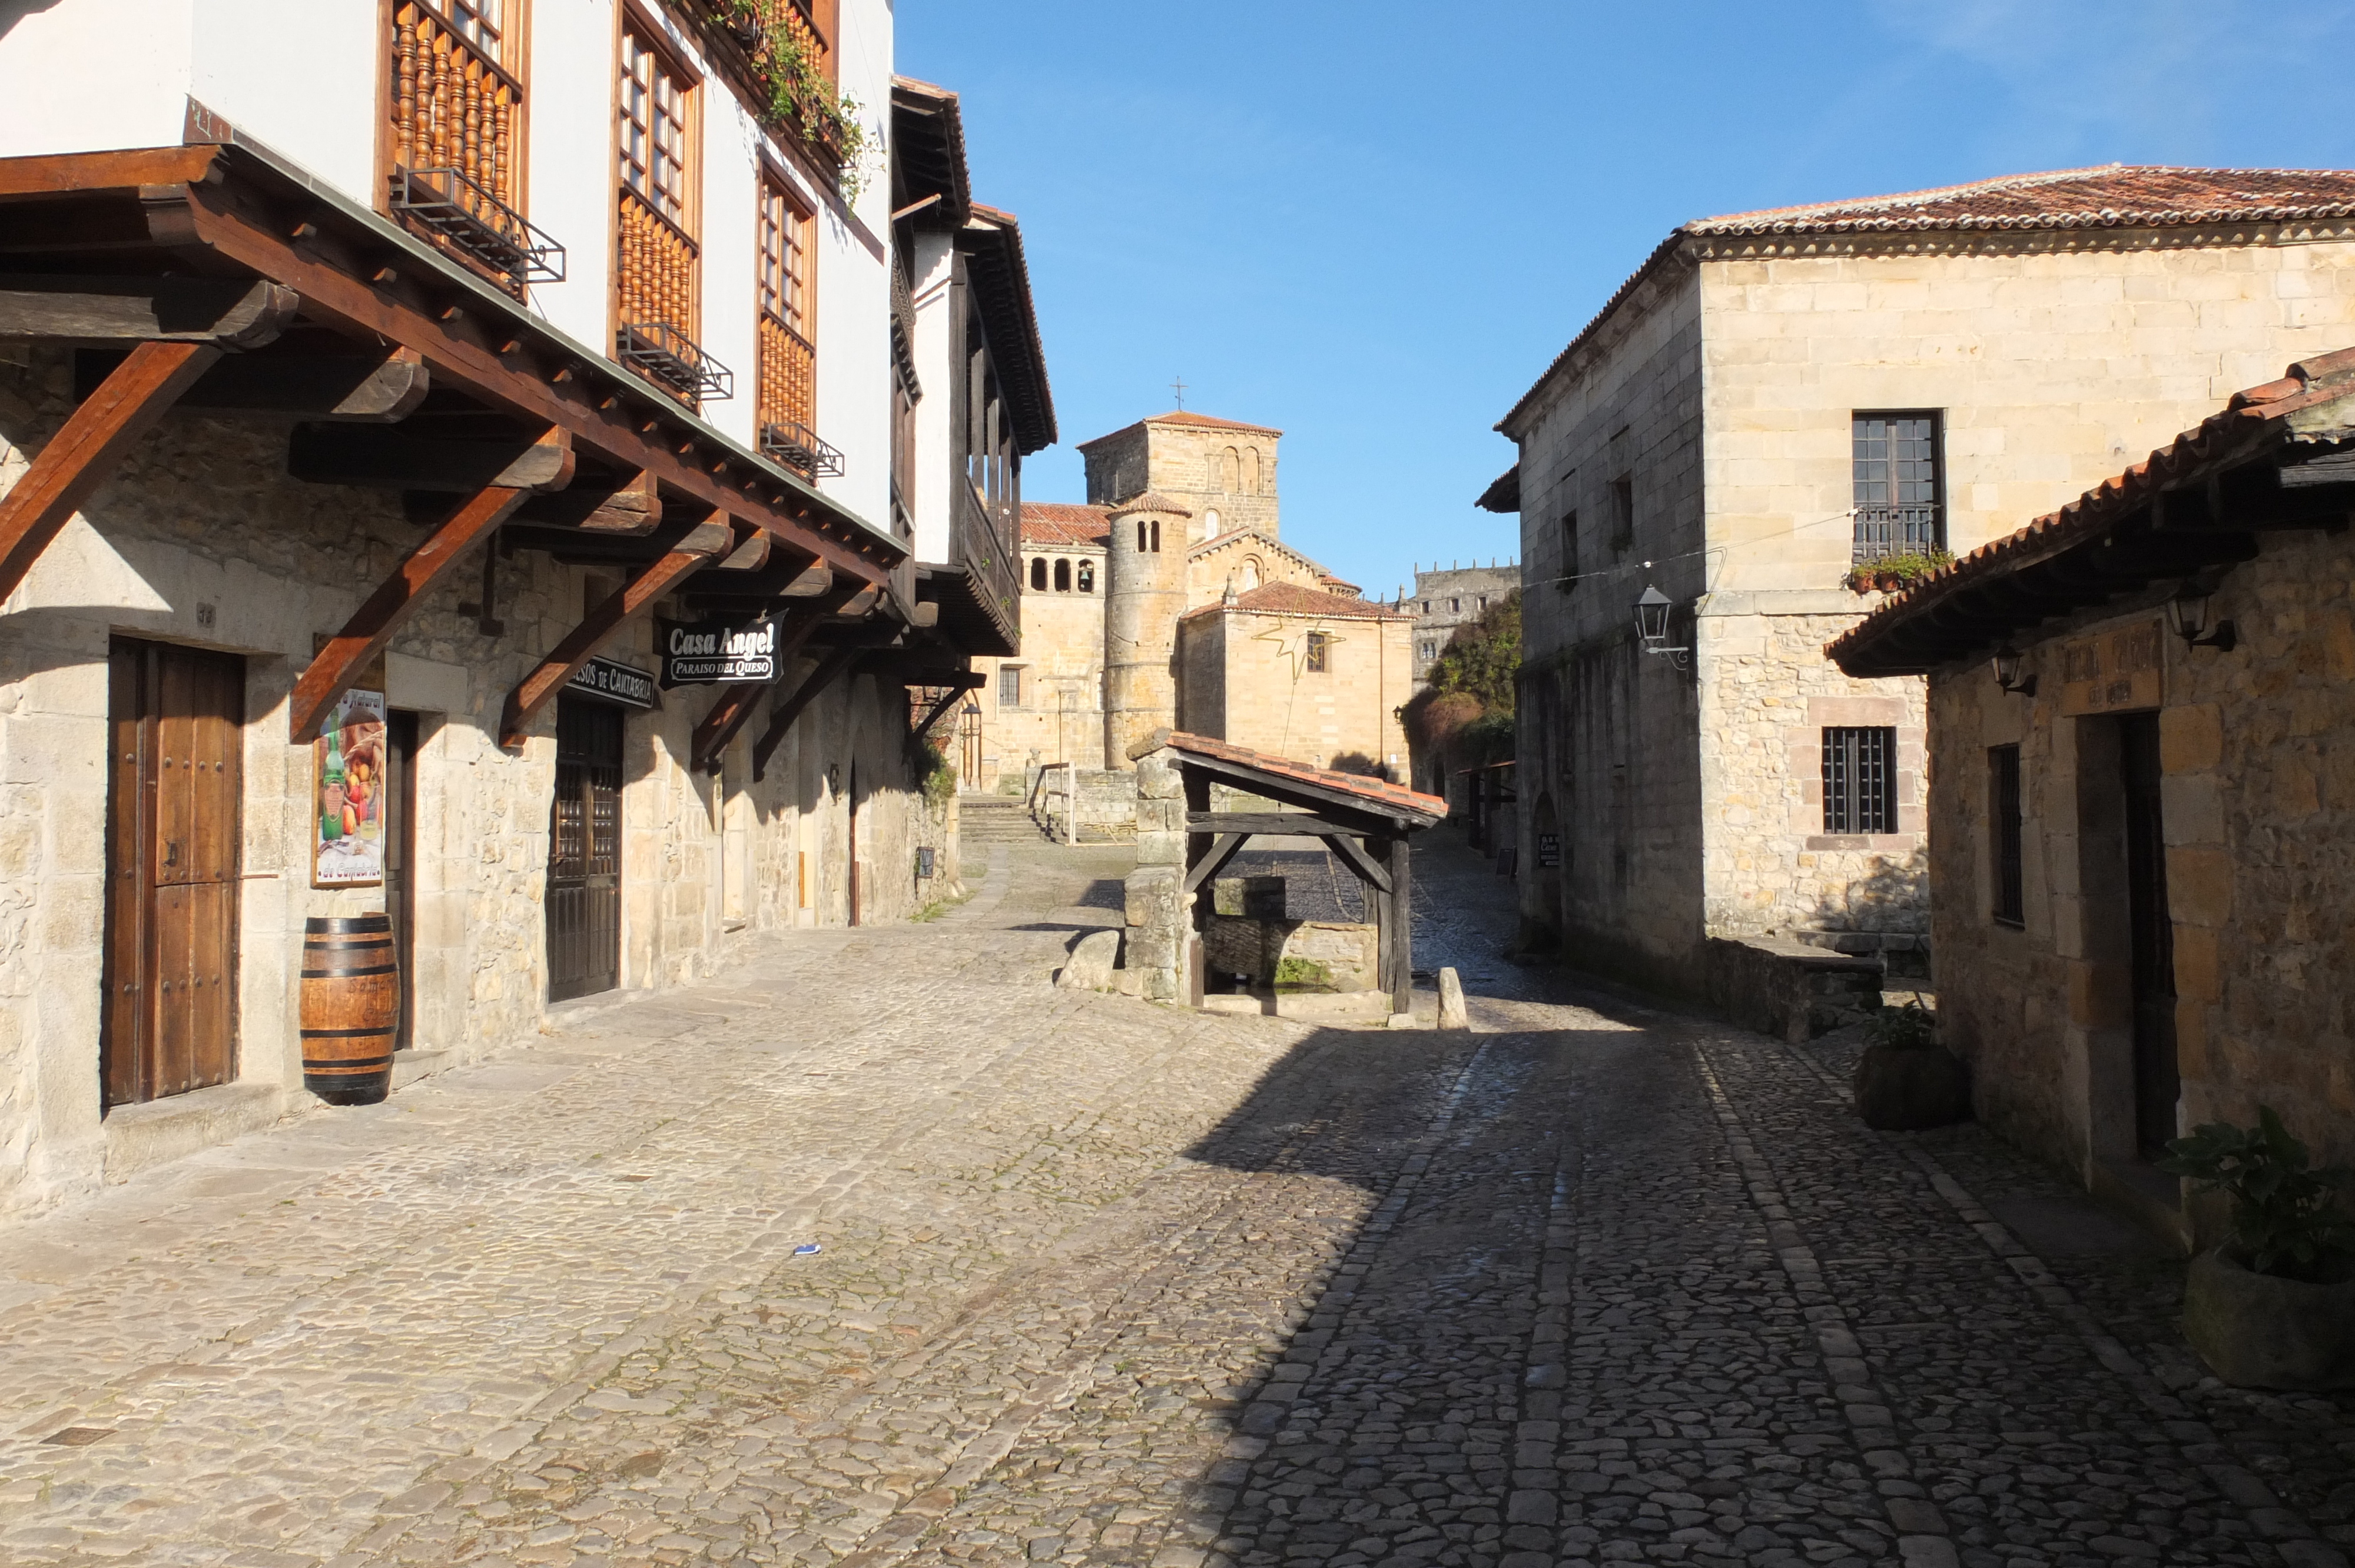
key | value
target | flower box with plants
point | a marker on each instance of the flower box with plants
(1906, 1081)
(1890, 574)
(2274, 1306)
(796, 97)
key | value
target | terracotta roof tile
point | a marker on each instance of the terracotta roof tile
(2114, 196)
(1183, 416)
(1063, 522)
(1294, 598)
(1391, 800)
(1150, 501)
(2218, 440)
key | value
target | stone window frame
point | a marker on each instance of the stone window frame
(1038, 573)
(1009, 685)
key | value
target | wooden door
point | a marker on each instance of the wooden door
(584, 862)
(173, 832)
(400, 861)
(2157, 1080)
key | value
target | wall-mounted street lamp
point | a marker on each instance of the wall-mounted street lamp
(2007, 672)
(1652, 625)
(2187, 613)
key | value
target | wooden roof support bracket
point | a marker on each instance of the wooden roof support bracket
(732, 711)
(832, 665)
(396, 598)
(81, 456)
(970, 683)
(699, 548)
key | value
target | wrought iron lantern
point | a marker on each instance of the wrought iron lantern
(1651, 612)
(2187, 613)
(2007, 672)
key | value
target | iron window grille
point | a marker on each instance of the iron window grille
(1899, 484)
(668, 357)
(1009, 685)
(2004, 823)
(799, 447)
(1859, 785)
(464, 215)
(1320, 652)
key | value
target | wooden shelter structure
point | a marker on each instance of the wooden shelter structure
(1365, 822)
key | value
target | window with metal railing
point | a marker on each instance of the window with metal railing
(658, 261)
(1859, 781)
(788, 412)
(455, 142)
(1899, 481)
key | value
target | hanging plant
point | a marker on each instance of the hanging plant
(801, 100)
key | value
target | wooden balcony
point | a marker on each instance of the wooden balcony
(455, 142)
(658, 303)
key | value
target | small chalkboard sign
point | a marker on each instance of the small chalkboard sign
(1549, 851)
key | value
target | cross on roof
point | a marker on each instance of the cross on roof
(1179, 387)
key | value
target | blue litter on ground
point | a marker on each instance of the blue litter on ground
(807, 1249)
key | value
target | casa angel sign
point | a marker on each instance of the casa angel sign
(717, 653)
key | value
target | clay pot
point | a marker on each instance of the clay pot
(2258, 1331)
(1888, 582)
(1860, 583)
(1904, 1088)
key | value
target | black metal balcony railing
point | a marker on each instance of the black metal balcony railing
(800, 449)
(469, 219)
(1882, 530)
(668, 357)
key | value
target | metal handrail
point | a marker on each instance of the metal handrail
(801, 449)
(457, 210)
(667, 356)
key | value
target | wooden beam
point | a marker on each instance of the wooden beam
(1215, 861)
(540, 688)
(83, 452)
(1303, 792)
(749, 555)
(1369, 871)
(781, 720)
(967, 682)
(632, 507)
(373, 625)
(228, 312)
(397, 459)
(1281, 823)
(366, 388)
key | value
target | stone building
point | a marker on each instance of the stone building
(1445, 599)
(2142, 795)
(352, 529)
(1774, 398)
(1174, 563)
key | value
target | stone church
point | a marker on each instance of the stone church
(1168, 600)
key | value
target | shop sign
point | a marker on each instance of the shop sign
(717, 653)
(613, 682)
(2113, 672)
(1549, 851)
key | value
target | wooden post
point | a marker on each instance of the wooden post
(79, 458)
(364, 636)
(1400, 904)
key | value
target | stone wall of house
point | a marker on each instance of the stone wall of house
(199, 538)
(1606, 734)
(1766, 696)
(1268, 699)
(2257, 751)
(1106, 804)
(1057, 715)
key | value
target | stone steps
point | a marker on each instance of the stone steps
(995, 820)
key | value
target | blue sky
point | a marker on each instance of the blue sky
(1372, 225)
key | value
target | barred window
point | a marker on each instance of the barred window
(2004, 832)
(1009, 685)
(1898, 484)
(1859, 785)
(1319, 652)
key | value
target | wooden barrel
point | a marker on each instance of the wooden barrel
(351, 1008)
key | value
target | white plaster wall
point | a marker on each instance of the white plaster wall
(936, 358)
(854, 281)
(570, 161)
(299, 75)
(88, 74)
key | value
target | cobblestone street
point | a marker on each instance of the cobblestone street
(1104, 1282)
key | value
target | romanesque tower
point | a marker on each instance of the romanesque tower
(1222, 469)
(1145, 593)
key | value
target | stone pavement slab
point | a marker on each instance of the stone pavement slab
(1103, 1282)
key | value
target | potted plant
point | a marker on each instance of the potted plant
(1906, 1081)
(2274, 1306)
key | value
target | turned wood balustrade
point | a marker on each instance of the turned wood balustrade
(656, 277)
(788, 375)
(454, 106)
